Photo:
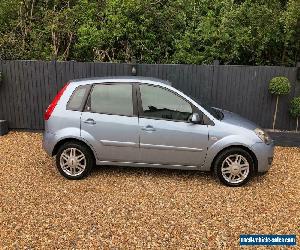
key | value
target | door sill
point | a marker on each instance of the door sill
(144, 164)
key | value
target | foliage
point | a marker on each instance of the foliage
(295, 107)
(152, 31)
(279, 86)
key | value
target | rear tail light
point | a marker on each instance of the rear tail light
(53, 104)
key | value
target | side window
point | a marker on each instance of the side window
(113, 99)
(161, 103)
(75, 102)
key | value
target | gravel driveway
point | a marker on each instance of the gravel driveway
(118, 207)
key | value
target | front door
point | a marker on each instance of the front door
(166, 135)
(111, 124)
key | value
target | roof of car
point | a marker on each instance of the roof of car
(122, 79)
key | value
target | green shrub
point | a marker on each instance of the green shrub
(280, 85)
(295, 107)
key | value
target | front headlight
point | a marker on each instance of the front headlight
(263, 135)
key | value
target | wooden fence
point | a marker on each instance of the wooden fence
(28, 87)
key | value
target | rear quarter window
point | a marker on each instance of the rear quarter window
(77, 98)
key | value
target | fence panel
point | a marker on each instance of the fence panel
(244, 90)
(29, 86)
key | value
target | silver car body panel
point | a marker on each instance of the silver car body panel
(167, 147)
(147, 165)
(110, 134)
(122, 140)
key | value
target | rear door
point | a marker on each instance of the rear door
(110, 121)
(166, 135)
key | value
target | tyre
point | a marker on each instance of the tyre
(74, 160)
(234, 167)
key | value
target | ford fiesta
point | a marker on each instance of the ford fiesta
(145, 122)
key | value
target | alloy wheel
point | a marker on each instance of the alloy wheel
(235, 168)
(73, 161)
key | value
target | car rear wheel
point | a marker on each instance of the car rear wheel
(74, 160)
(234, 167)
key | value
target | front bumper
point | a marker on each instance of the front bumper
(49, 141)
(264, 154)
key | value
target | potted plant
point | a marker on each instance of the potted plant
(295, 110)
(279, 85)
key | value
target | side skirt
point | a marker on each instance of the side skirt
(148, 165)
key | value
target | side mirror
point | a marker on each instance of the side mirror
(195, 118)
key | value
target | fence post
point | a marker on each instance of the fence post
(214, 83)
(133, 65)
(216, 62)
(53, 78)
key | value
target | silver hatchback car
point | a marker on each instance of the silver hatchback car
(145, 122)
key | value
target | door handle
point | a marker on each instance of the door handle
(90, 121)
(148, 128)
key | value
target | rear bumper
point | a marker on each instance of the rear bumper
(49, 141)
(264, 154)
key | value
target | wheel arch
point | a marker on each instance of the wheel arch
(253, 156)
(67, 140)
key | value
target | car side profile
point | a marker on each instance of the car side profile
(145, 122)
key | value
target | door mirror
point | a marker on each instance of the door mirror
(195, 118)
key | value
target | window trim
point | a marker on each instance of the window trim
(206, 120)
(84, 98)
(87, 105)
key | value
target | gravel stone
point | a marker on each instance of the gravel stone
(137, 208)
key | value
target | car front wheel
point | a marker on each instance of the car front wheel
(234, 167)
